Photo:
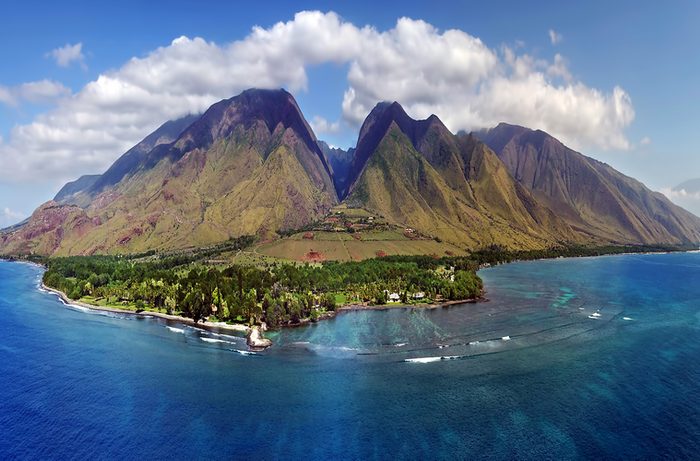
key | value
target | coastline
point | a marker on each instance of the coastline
(221, 327)
(383, 307)
(216, 327)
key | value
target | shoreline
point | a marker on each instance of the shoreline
(216, 327)
(221, 327)
(384, 307)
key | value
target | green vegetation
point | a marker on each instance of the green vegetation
(342, 246)
(283, 293)
(280, 294)
(495, 254)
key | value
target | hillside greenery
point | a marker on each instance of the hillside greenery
(280, 294)
(283, 293)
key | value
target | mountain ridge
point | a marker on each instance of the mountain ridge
(251, 164)
(461, 192)
(592, 196)
(221, 177)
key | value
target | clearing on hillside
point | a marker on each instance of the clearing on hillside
(344, 246)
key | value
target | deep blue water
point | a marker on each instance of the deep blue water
(624, 385)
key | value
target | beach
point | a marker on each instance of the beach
(211, 326)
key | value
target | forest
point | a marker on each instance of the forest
(283, 293)
(278, 294)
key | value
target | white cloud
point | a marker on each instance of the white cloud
(68, 54)
(322, 126)
(690, 200)
(9, 217)
(559, 68)
(680, 194)
(555, 37)
(645, 141)
(6, 96)
(449, 73)
(42, 91)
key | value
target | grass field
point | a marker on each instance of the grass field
(342, 246)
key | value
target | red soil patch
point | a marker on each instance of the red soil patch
(314, 256)
(380, 253)
(357, 236)
(309, 235)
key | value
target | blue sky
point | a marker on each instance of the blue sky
(616, 80)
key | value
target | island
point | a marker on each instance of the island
(195, 289)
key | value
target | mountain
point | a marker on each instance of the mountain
(68, 193)
(82, 191)
(417, 173)
(691, 186)
(340, 161)
(248, 165)
(594, 199)
(252, 165)
(49, 225)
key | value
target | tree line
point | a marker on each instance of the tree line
(278, 294)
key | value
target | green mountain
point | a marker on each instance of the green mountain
(419, 174)
(248, 165)
(594, 198)
(252, 165)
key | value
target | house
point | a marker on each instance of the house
(394, 298)
(419, 295)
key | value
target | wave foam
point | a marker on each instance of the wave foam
(244, 352)
(432, 359)
(175, 330)
(214, 340)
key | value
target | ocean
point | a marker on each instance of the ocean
(584, 358)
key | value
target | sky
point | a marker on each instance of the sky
(82, 82)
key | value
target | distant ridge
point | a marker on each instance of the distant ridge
(591, 196)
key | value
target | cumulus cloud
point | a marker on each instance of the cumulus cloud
(680, 194)
(41, 91)
(449, 73)
(559, 68)
(555, 37)
(322, 126)
(645, 141)
(688, 199)
(68, 54)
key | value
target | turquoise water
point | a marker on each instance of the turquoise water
(570, 358)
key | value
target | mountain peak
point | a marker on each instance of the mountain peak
(590, 195)
(375, 127)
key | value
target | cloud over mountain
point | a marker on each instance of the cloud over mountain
(450, 73)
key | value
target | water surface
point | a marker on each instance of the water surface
(570, 358)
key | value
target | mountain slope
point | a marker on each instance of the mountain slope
(419, 174)
(591, 196)
(249, 164)
(340, 161)
(252, 165)
(68, 192)
(82, 191)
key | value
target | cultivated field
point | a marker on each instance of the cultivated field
(343, 246)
